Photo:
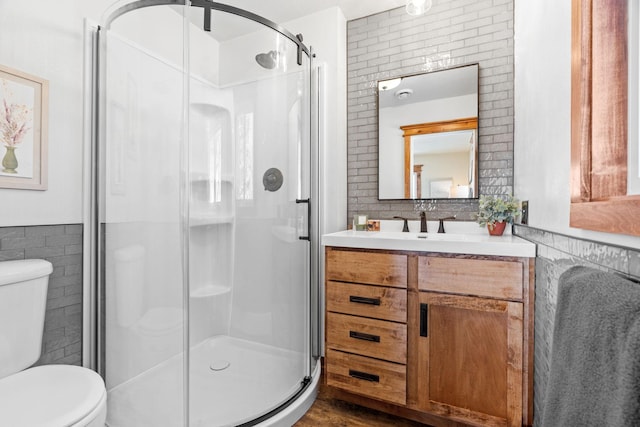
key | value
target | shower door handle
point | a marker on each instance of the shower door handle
(308, 202)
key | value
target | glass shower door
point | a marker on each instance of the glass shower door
(142, 274)
(248, 258)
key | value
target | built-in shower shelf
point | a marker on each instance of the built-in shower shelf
(199, 219)
(209, 291)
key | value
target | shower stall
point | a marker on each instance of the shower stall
(205, 216)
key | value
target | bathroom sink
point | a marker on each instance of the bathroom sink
(380, 235)
(407, 236)
(447, 237)
(475, 243)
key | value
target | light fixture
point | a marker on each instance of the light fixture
(404, 93)
(418, 7)
(389, 84)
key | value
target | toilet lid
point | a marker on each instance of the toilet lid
(23, 269)
(49, 395)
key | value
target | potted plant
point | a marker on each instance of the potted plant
(495, 212)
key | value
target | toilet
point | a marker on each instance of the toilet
(48, 395)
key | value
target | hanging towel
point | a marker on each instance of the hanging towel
(594, 377)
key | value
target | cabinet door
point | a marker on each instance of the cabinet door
(470, 358)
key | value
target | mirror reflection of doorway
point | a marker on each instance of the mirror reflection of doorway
(440, 151)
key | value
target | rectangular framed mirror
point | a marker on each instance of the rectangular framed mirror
(428, 135)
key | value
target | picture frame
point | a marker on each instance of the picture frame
(24, 115)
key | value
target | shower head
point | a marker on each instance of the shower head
(267, 60)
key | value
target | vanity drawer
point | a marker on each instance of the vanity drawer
(368, 337)
(370, 377)
(370, 301)
(366, 267)
(484, 278)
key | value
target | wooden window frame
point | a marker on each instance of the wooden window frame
(599, 96)
(408, 131)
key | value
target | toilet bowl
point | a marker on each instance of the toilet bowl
(48, 395)
(53, 396)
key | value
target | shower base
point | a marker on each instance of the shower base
(257, 379)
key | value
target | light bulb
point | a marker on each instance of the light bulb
(418, 7)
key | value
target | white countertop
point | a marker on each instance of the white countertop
(473, 243)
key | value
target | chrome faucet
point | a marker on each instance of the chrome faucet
(423, 222)
(442, 220)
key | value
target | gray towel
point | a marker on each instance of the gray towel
(594, 379)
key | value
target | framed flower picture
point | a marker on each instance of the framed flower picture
(24, 103)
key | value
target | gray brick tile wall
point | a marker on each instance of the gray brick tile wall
(556, 253)
(391, 44)
(62, 246)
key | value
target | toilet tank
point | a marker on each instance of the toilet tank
(23, 300)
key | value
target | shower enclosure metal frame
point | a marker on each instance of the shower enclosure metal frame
(208, 6)
(96, 352)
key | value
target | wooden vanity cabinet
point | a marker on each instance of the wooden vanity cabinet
(467, 358)
(471, 343)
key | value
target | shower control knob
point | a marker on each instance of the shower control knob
(272, 179)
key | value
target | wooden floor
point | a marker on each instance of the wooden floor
(327, 411)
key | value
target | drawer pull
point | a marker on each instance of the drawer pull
(364, 337)
(364, 376)
(364, 300)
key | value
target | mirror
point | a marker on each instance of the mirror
(428, 135)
